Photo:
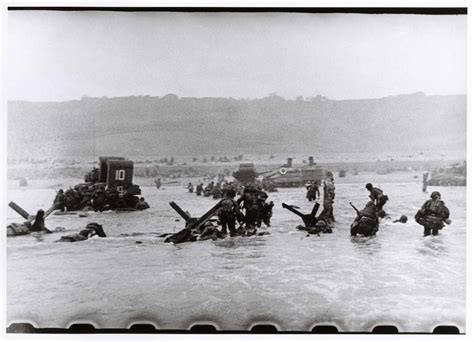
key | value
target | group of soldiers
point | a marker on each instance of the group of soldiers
(96, 197)
(213, 189)
(250, 210)
(432, 215)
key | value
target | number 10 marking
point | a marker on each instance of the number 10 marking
(119, 174)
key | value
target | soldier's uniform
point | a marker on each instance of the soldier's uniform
(262, 208)
(377, 196)
(142, 204)
(60, 200)
(199, 189)
(433, 214)
(312, 191)
(366, 222)
(228, 213)
(71, 200)
(113, 198)
(190, 187)
(329, 194)
(250, 201)
(158, 183)
(267, 212)
(99, 199)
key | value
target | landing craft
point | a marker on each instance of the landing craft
(247, 174)
(115, 177)
(114, 173)
(288, 176)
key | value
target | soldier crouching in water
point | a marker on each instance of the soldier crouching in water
(433, 214)
(366, 223)
(228, 212)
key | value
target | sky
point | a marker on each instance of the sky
(60, 56)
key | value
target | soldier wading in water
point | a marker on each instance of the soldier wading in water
(378, 197)
(251, 205)
(433, 214)
(366, 223)
(229, 212)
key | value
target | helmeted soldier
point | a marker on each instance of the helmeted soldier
(199, 189)
(262, 208)
(158, 183)
(91, 230)
(228, 212)
(328, 200)
(312, 191)
(142, 204)
(60, 200)
(433, 214)
(377, 196)
(366, 222)
(250, 204)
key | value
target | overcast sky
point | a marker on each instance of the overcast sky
(55, 56)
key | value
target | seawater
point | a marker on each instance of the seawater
(287, 278)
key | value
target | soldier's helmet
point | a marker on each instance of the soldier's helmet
(435, 194)
(92, 225)
(370, 203)
(403, 219)
(369, 186)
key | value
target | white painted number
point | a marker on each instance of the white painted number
(119, 174)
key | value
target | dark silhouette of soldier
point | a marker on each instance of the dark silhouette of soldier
(199, 189)
(228, 212)
(142, 204)
(60, 200)
(433, 214)
(366, 222)
(250, 204)
(377, 196)
(313, 191)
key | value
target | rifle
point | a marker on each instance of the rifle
(353, 207)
